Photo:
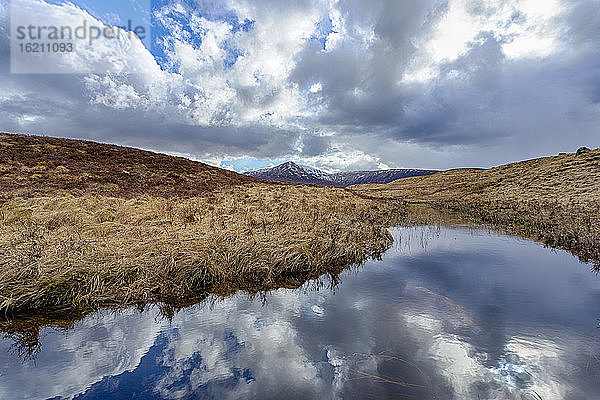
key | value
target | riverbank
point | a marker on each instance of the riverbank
(84, 224)
(82, 251)
(554, 200)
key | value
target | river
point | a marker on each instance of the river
(450, 312)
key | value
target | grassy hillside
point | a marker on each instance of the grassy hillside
(34, 165)
(84, 224)
(553, 199)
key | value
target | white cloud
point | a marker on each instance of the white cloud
(344, 160)
(540, 361)
(123, 53)
(527, 28)
(456, 81)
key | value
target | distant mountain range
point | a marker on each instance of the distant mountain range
(296, 173)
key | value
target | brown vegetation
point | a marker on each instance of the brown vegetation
(555, 200)
(36, 165)
(124, 226)
(84, 224)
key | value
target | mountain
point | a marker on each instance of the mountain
(295, 173)
(383, 176)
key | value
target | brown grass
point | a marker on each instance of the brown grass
(37, 166)
(79, 246)
(555, 200)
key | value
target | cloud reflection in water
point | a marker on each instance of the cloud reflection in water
(470, 314)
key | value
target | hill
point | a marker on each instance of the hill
(552, 199)
(37, 165)
(84, 224)
(302, 174)
(564, 178)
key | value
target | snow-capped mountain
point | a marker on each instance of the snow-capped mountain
(292, 172)
(295, 173)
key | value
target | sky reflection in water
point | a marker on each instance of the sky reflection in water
(450, 314)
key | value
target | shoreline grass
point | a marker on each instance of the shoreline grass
(85, 225)
(85, 251)
(553, 200)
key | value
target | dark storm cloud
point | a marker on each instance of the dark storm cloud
(480, 99)
(315, 145)
(360, 86)
(58, 102)
(137, 128)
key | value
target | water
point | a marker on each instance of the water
(452, 313)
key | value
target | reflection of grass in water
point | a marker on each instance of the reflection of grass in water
(359, 374)
(24, 330)
(534, 395)
(385, 379)
(25, 333)
(582, 238)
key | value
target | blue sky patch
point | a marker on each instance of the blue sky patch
(323, 29)
(122, 13)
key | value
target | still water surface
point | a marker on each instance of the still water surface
(448, 313)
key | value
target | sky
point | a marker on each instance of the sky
(339, 85)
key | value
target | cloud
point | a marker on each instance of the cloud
(457, 81)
